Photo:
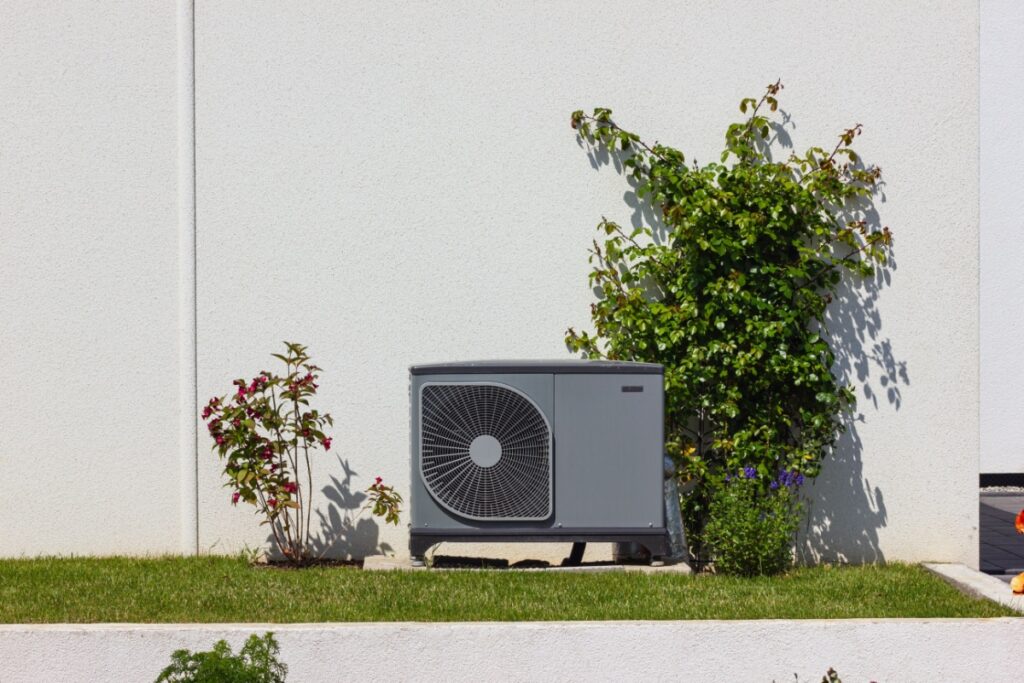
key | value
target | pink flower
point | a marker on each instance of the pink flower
(236, 423)
(272, 502)
(241, 390)
(379, 480)
(220, 440)
(327, 443)
(267, 454)
(234, 498)
(291, 487)
(207, 411)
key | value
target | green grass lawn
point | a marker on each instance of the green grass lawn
(219, 589)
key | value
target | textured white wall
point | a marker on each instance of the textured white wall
(859, 650)
(398, 184)
(1002, 225)
(394, 184)
(89, 459)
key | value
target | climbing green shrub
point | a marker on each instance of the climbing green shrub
(728, 288)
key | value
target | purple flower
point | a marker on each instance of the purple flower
(728, 477)
(774, 485)
(749, 472)
(790, 478)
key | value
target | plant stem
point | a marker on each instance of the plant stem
(309, 496)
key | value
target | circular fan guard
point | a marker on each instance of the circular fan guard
(453, 417)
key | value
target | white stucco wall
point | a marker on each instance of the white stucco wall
(399, 184)
(89, 459)
(1002, 225)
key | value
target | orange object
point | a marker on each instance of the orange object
(1020, 522)
(1017, 584)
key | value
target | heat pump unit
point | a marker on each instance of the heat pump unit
(567, 451)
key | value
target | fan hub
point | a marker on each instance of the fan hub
(485, 450)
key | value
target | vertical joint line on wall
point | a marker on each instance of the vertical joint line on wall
(187, 283)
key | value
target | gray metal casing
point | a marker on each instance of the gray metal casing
(608, 444)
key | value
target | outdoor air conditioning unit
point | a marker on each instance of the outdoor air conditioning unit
(567, 451)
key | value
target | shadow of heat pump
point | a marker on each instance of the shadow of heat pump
(528, 451)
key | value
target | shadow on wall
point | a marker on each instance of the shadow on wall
(343, 533)
(844, 510)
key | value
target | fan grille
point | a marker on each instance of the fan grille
(453, 418)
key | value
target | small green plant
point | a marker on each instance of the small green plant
(750, 531)
(256, 663)
(728, 285)
(831, 676)
(383, 501)
(266, 432)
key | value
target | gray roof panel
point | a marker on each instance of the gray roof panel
(571, 366)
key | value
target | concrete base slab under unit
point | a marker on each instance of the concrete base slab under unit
(450, 563)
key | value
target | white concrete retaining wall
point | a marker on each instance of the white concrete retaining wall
(392, 184)
(860, 650)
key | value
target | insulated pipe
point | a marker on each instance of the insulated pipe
(678, 552)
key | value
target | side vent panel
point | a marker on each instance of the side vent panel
(485, 451)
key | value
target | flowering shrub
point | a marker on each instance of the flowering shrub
(265, 432)
(751, 528)
(728, 286)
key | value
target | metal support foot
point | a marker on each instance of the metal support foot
(575, 558)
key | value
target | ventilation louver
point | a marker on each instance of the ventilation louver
(485, 451)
